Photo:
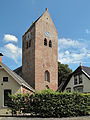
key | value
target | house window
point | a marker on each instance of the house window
(6, 97)
(50, 43)
(29, 43)
(68, 89)
(75, 80)
(5, 79)
(45, 42)
(47, 76)
(79, 89)
(80, 79)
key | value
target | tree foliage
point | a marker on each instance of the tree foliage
(63, 72)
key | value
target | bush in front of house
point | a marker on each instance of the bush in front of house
(48, 103)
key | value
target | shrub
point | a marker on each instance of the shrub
(48, 103)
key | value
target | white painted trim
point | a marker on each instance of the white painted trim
(26, 86)
(85, 73)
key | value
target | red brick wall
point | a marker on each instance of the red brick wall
(28, 59)
(46, 58)
(39, 58)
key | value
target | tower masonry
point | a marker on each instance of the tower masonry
(40, 54)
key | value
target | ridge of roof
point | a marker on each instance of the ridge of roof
(34, 23)
(16, 77)
(86, 70)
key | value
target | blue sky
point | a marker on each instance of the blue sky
(72, 21)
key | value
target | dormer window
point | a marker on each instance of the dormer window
(50, 43)
(45, 42)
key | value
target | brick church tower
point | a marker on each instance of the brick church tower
(40, 54)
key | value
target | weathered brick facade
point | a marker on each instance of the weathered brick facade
(37, 57)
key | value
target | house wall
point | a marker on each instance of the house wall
(11, 84)
(85, 84)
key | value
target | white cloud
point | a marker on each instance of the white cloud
(72, 51)
(11, 51)
(66, 42)
(67, 52)
(10, 38)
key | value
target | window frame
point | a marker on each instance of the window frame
(80, 79)
(10, 92)
(47, 76)
(5, 80)
(77, 88)
(75, 80)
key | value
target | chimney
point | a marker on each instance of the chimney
(46, 9)
(80, 64)
(1, 57)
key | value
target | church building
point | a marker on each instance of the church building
(40, 54)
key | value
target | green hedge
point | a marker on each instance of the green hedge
(50, 104)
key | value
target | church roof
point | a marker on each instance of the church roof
(18, 71)
(33, 24)
(16, 77)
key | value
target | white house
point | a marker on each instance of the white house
(79, 80)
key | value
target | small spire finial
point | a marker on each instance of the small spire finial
(46, 9)
(80, 64)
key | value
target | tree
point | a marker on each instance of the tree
(63, 72)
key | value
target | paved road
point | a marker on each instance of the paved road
(22, 118)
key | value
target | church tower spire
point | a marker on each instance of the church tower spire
(40, 54)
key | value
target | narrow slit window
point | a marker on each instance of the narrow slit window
(50, 43)
(47, 76)
(29, 43)
(45, 42)
(26, 45)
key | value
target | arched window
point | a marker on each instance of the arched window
(45, 42)
(47, 76)
(50, 43)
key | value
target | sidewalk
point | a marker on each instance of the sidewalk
(22, 118)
